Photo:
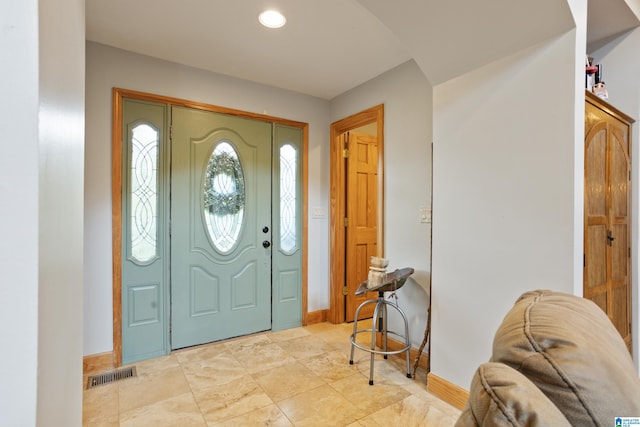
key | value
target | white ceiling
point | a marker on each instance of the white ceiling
(331, 46)
(326, 47)
(450, 38)
(608, 19)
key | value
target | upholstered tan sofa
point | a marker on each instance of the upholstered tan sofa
(557, 361)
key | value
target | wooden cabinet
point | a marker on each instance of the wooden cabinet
(607, 212)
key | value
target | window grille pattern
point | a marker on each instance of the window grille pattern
(288, 173)
(144, 192)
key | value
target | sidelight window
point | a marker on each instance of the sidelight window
(144, 192)
(288, 173)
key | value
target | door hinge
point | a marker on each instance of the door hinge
(346, 222)
(171, 132)
(345, 152)
(345, 291)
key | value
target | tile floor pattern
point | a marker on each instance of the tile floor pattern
(297, 377)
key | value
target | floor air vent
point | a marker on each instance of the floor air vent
(110, 377)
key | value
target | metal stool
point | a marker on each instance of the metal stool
(393, 281)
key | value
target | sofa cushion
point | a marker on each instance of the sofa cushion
(568, 347)
(501, 396)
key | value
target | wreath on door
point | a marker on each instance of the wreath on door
(224, 185)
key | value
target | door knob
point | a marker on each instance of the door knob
(266, 244)
(610, 237)
(265, 229)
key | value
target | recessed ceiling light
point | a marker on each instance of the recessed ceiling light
(272, 19)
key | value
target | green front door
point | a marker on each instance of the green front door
(220, 226)
(212, 227)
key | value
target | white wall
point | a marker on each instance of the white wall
(61, 201)
(406, 95)
(41, 185)
(19, 227)
(503, 197)
(621, 69)
(579, 12)
(107, 68)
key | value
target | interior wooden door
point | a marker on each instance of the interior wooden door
(607, 210)
(362, 217)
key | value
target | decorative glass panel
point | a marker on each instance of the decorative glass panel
(144, 192)
(288, 172)
(224, 197)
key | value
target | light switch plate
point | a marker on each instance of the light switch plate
(425, 214)
(318, 213)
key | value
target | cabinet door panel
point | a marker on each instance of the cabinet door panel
(607, 212)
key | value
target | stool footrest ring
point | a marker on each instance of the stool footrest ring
(380, 320)
(372, 350)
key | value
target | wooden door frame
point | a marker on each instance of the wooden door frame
(337, 234)
(116, 193)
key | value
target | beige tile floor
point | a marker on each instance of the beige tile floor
(298, 377)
